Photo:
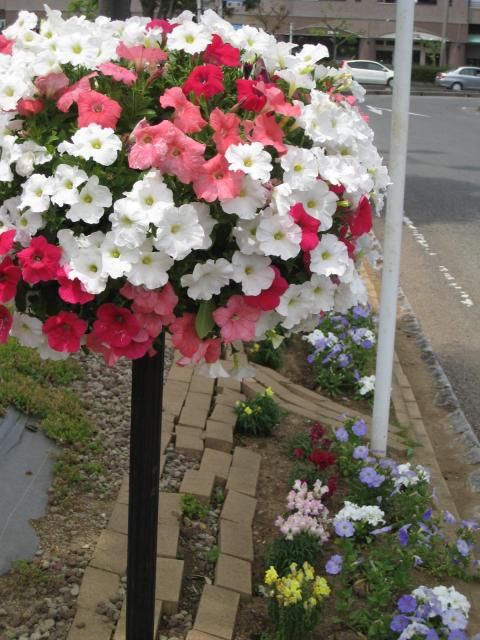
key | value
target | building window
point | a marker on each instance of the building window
(426, 1)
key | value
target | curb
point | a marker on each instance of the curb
(428, 93)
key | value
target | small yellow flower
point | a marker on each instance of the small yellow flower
(309, 572)
(247, 411)
(255, 347)
(269, 392)
(310, 603)
(271, 575)
(321, 588)
(238, 403)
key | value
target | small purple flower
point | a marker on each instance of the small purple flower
(449, 518)
(370, 477)
(457, 634)
(463, 547)
(399, 623)
(417, 561)
(379, 532)
(344, 528)
(344, 360)
(361, 312)
(454, 619)
(427, 515)
(471, 525)
(310, 358)
(432, 635)
(403, 536)
(366, 344)
(360, 452)
(334, 565)
(407, 604)
(341, 434)
(359, 428)
(356, 375)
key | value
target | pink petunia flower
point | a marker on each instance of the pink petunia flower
(187, 117)
(227, 129)
(184, 335)
(236, 320)
(64, 331)
(150, 145)
(167, 27)
(6, 241)
(53, 85)
(115, 326)
(142, 56)
(30, 106)
(39, 261)
(72, 291)
(9, 277)
(209, 351)
(6, 321)
(216, 182)
(118, 73)
(309, 226)
(267, 131)
(94, 107)
(6, 45)
(184, 156)
(71, 95)
(205, 80)
(152, 309)
(276, 100)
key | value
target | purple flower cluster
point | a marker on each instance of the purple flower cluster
(371, 478)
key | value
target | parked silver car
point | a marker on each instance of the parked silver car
(369, 72)
(461, 78)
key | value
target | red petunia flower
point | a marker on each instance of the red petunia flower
(309, 226)
(9, 277)
(316, 432)
(6, 45)
(220, 53)
(321, 459)
(94, 107)
(250, 97)
(6, 241)
(39, 261)
(362, 218)
(30, 106)
(166, 26)
(6, 321)
(72, 291)
(64, 331)
(115, 326)
(206, 80)
(269, 298)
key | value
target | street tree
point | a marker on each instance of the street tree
(335, 28)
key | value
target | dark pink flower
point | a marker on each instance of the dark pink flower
(9, 277)
(64, 331)
(39, 261)
(6, 322)
(205, 80)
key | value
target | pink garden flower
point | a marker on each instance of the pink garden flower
(6, 322)
(236, 320)
(226, 128)
(39, 261)
(9, 278)
(187, 116)
(216, 182)
(72, 291)
(118, 73)
(30, 106)
(53, 85)
(71, 95)
(269, 299)
(6, 241)
(309, 226)
(115, 326)
(205, 80)
(150, 146)
(152, 309)
(64, 331)
(142, 56)
(184, 157)
(267, 131)
(6, 45)
(220, 53)
(184, 335)
(95, 107)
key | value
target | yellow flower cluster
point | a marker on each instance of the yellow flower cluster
(269, 392)
(300, 585)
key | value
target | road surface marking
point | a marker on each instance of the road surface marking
(379, 111)
(420, 239)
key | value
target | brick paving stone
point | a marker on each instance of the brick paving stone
(123, 493)
(195, 400)
(169, 509)
(243, 482)
(111, 552)
(239, 508)
(222, 413)
(190, 445)
(121, 628)
(217, 612)
(247, 459)
(194, 634)
(413, 410)
(192, 416)
(169, 584)
(177, 373)
(234, 574)
(219, 435)
(184, 430)
(199, 484)
(119, 518)
(167, 539)
(88, 625)
(227, 395)
(201, 384)
(97, 585)
(228, 383)
(236, 539)
(250, 388)
(218, 463)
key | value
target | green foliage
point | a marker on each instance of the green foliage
(87, 8)
(192, 508)
(29, 575)
(282, 552)
(212, 555)
(425, 73)
(258, 416)
(266, 354)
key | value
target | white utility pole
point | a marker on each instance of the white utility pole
(443, 45)
(393, 223)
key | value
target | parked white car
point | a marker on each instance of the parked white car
(369, 72)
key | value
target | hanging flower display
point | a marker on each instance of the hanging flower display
(182, 176)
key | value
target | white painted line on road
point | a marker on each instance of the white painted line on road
(420, 239)
(379, 112)
(410, 113)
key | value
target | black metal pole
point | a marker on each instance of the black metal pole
(115, 9)
(147, 392)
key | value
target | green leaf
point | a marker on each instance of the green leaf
(204, 321)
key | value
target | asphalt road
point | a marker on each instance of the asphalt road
(440, 271)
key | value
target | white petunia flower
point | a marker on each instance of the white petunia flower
(351, 293)
(27, 155)
(87, 265)
(128, 224)
(93, 143)
(67, 180)
(207, 279)
(293, 306)
(319, 202)
(189, 37)
(366, 384)
(151, 269)
(319, 291)
(279, 56)
(25, 21)
(245, 233)
(27, 222)
(92, 201)
(253, 272)
(330, 257)
(76, 49)
(279, 236)
(179, 232)
(300, 167)
(116, 260)
(207, 222)
(152, 196)
(12, 88)
(252, 159)
(311, 53)
(27, 330)
(36, 192)
(253, 196)
(297, 78)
